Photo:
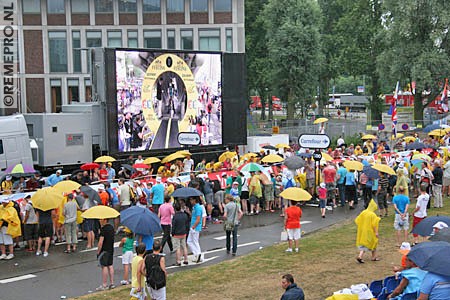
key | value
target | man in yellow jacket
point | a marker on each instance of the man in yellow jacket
(10, 228)
(367, 234)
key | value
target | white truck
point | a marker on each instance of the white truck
(255, 143)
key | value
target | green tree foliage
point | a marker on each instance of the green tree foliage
(417, 33)
(293, 44)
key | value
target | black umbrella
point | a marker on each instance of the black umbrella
(305, 155)
(415, 146)
(371, 172)
(269, 147)
(425, 227)
(91, 193)
(186, 192)
(442, 235)
(294, 162)
(127, 167)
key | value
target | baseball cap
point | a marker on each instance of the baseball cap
(8, 177)
(405, 248)
(224, 174)
(59, 171)
(110, 164)
(322, 185)
(158, 179)
(4, 200)
(440, 225)
(235, 182)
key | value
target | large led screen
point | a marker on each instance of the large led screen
(162, 94)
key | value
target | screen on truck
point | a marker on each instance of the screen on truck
(162, 94)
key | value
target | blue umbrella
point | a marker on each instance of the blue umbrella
(305, 155)
(415, 146)
(425, 227)
(432, 257)
(371, 172)
(431, 127)
(442, 235)
(186, 192)
(141, 220)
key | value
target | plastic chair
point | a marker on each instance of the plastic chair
(382, 295)
(410, 296)
(391, 284)
(376, 286)
(385, 280)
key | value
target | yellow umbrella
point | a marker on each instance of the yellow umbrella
(282, 146)
(384, 168)
(248, 155)
(326, 156)
(227, 154)
(47, 198)
(447, 129)
(151, 160)
(171, 157)
(368, 137)
(398, 136)
(66, 186)
(100, 212)
(272, 158)
(104, 159)
(217, 165)
(437, 132)
(353, 165)
(409, 139)
(296, 194)
(320, 120)
(184, 152)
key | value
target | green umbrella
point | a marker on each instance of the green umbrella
(252, 167)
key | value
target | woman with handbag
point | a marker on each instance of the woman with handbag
(232, 214)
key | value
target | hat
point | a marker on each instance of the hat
(110, 164)
(59, 171)
(158, 179)
(401, 165)
(322, 185)
(137, 181)
(224, 174)
(440, 225)
(5, 200)
(101, 187)
(235, 182)
(8, 177)
(127, 230)
(405, 248)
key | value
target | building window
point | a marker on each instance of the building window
(127, 6)
(93, 39)
(187, 41)
(209, 39)
(152, 39)
(199, 5)
(222, 5)
(229, 41)
(76, 52)
(56, 96)
(80, 6)
(73, 90)
(55, 7)
(175, 6)
(88, 89)
(57, 44)
(151, 5)
(132, 38)
(170, 39)
(31, 6)
(115, 39)
(103, 6)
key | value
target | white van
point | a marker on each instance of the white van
(14, 142)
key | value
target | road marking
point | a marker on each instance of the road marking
(241, 245)
(169, 125)
(116, 245)
(221, 238)
(191, 263)
(18, 278)
(305, 222)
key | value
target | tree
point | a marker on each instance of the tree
(256, 51)
(418, 35)
(359, 31)
(293, 44)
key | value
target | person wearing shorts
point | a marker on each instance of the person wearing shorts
(292, 216)
(255, 192)
(105, 254)
(30, 228)
(127, 244)
(401, 205)
(322, 191)
(10, 228)
(45, 230)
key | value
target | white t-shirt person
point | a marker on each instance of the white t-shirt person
(188, 164)
(422, 202)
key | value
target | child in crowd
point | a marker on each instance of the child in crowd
(322, 191)
(127, 244)
(138, 288)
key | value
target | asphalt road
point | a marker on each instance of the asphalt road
(30, 277)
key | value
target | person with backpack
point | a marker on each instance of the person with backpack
(154, 268)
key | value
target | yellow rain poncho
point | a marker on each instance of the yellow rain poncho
(367, 222)
(343, 297)
(9, 214)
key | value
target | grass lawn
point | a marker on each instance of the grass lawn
(326, 263)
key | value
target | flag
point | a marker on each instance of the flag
(393, 109)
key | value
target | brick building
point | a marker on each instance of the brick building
(55, 36)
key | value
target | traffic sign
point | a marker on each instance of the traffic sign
(317, 156)
(189, 138)
(314, 141)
